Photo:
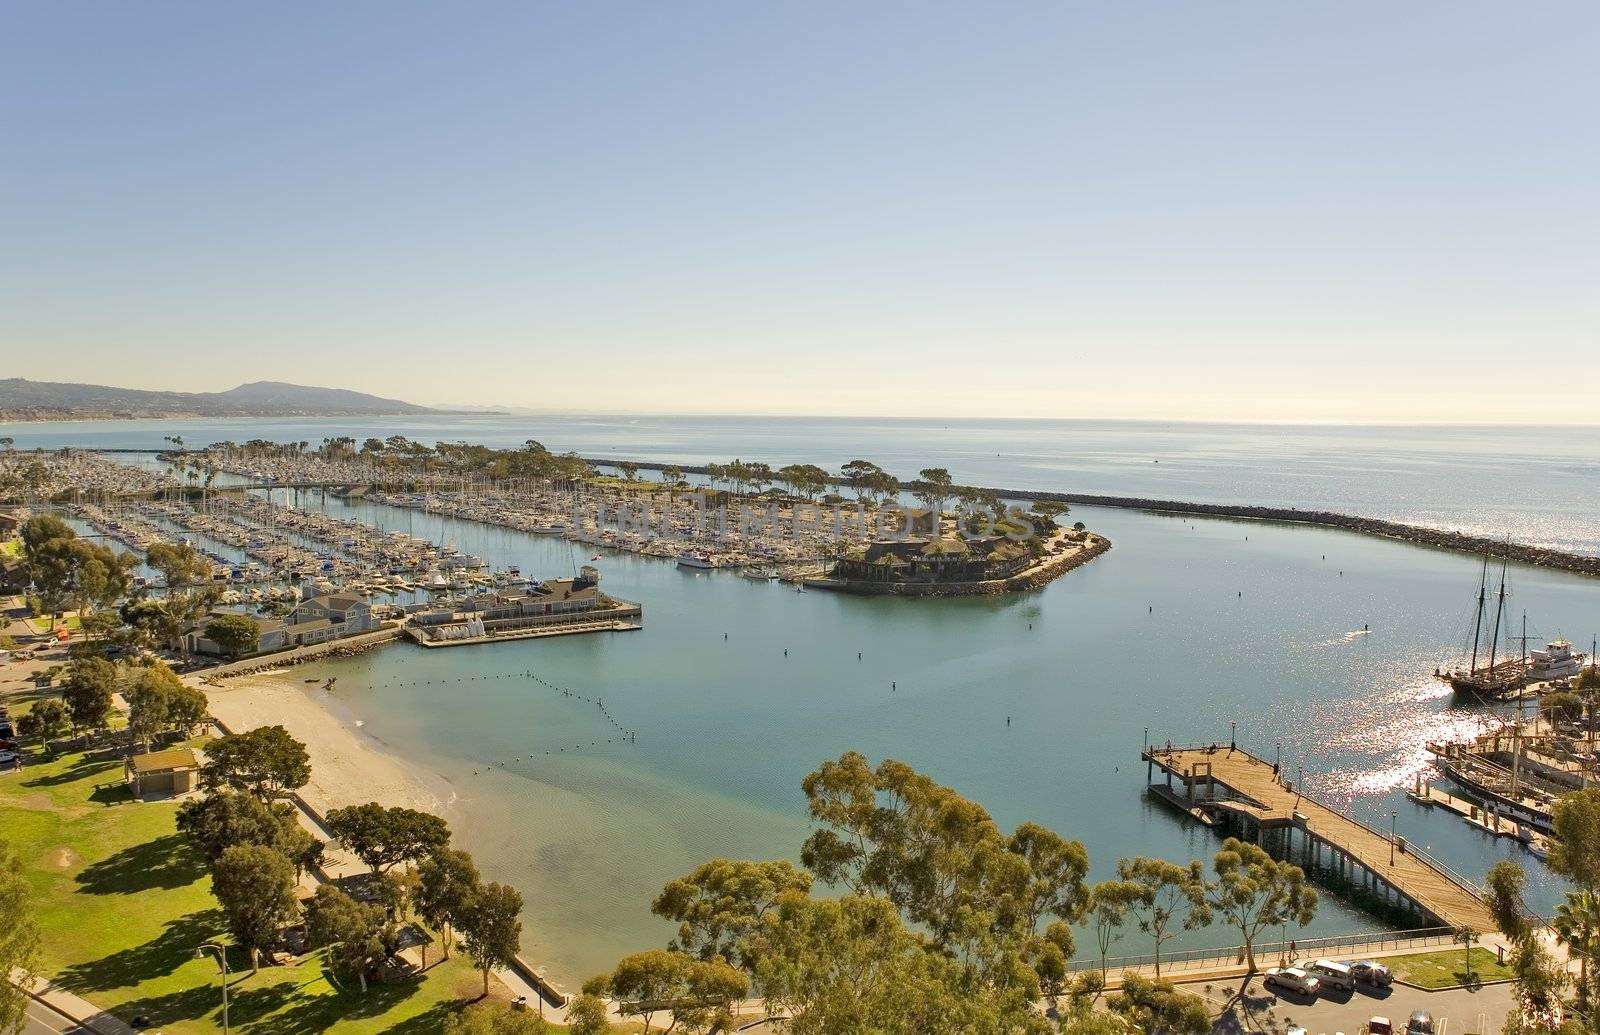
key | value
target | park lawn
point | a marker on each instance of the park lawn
(11, 547)
(43, 624)
(1446, 968)
(122, 903)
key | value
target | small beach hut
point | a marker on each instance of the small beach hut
(162, 774)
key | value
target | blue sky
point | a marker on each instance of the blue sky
(1242, 210)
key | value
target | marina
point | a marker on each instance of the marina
(968, 394)
(725, 725)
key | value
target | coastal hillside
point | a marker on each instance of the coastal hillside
(22, 399)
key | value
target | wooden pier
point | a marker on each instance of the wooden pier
(1233, 788)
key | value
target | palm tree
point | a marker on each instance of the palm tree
(1577, 924)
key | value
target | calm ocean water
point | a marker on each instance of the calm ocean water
(1254, 624)
(1260, 630)
(1533, 484)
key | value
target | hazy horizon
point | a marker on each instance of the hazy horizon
(488, 409)
(1353, 213)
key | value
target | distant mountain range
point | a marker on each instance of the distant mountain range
(21, 399)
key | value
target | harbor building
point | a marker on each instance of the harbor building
(319, 619)
(541, 608)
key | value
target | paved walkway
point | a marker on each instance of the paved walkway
(85, 1013)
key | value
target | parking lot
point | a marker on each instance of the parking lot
(1467, 1011)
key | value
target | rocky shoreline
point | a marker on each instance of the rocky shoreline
(283, 659)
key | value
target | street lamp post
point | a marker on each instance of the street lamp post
(1233, 734)
(222, 958)
(1394, 817)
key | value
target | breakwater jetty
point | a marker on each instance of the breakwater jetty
(1227, 787)
(1422, 535)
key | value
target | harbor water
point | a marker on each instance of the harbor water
(1318, 643)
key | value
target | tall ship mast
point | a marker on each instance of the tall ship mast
(1492, 676)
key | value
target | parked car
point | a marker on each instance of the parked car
(1329, 973)
(1371, 972)
(1380, 1026)
(1421, 1023)
(1295, 1029)
(1292, 979)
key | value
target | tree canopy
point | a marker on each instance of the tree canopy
(1253, 891)
(255, 885)
(491, 929)
(494, 1019)
(447, 888)
(225, 818)
(356, 934)
(237, 635)
(19, 939)
(721, 905)
(158, 701)
(381, 836)
(266, 761)
(1575, 852)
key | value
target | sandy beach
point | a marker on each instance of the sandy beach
(348, 767)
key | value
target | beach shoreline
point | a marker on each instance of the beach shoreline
(348, 765)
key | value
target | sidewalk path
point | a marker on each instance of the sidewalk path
(80, 1010)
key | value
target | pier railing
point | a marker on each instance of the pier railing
(1411, 849)
(1368, 943)
(1422, 856)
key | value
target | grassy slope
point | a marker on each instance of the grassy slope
(122, 903)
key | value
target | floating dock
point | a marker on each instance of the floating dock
(1484, 818)
(1233, 788)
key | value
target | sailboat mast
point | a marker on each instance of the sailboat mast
(1521, 696)
(1477, 624)
(1499, 612)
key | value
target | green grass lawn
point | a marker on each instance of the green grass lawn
(43, 623)
(122, 902)
(1446, 967)
(10, 547)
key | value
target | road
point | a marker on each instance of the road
(1347, 1012)
(1455, 1012)
(42, 1020)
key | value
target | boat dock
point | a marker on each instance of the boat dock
(1229, 787)
(1483, 818)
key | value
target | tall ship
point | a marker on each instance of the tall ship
(1486, 673)
(1489, 675)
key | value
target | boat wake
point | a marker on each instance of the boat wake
(1343, 638)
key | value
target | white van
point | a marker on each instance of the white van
(1330, 974)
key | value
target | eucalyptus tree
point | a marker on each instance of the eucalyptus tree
(1253, 891)
(1110, 902)
(933, 488)
(1169, 895)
